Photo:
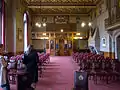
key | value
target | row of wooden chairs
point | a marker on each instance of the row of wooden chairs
(97, 66)
(13, 68)
(43, 59)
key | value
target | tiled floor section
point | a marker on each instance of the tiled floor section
(59, 75)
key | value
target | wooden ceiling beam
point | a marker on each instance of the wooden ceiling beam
(61, 4)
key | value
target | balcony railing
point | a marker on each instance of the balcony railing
(114, 20)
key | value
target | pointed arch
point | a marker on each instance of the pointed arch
(25, 19)
(3, 22)
(116, 53)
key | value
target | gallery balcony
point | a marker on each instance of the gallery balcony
(113, 23)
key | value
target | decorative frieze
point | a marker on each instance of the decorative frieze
(61, 19)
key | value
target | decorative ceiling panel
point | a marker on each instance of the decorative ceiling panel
(60, 11)
(61, 6)
(64, 1)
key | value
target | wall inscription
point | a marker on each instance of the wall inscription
(61, 19)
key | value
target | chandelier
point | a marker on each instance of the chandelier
(43, 23)
(40, 24)
(83, 24)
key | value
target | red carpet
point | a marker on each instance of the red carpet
(58, 75)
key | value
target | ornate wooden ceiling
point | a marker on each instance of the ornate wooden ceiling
(63, 1)
(60, 10)
(61, 6)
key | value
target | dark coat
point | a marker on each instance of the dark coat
(31, 61)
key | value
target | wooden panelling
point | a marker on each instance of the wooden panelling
(109, 54)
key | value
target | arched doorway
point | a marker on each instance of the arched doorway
(118, 46)
(116, 43)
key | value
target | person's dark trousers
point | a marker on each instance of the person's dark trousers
(29, 82)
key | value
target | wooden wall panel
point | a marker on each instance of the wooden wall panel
(109, 54)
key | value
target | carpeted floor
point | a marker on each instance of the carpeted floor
(59, 75)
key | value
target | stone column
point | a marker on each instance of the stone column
(49, 40)
(10, 26)
(54, 43)
(72, 41)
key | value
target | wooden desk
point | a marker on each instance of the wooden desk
(21, 78)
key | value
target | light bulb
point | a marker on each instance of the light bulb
(44, 34)
(81, 37)
(39, 25)
(36, 24)
(77, 33)
(89, 24)
(61, 30)
(44, 24)
(83, 24)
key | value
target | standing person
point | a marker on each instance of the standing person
(30, 60)
(4, 83)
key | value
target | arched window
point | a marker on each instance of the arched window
(25, 32)
(2, 21)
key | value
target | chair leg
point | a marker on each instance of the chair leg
(95, 79)
(107, 79)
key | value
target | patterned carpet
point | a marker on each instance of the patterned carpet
(59, 75)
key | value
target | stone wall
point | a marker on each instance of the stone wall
(14, 25)
(98, 21)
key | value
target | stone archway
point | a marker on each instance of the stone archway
(114, 34)
(118, 47)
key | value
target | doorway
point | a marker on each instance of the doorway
(118, 47)
(61, 44)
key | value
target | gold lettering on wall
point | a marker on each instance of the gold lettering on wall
(61, 19)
